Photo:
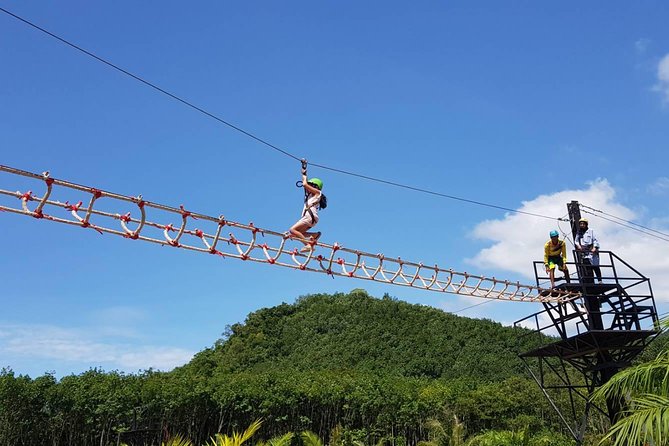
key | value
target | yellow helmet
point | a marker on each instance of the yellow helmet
(583, 220)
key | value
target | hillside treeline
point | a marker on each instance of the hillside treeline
(377, 370)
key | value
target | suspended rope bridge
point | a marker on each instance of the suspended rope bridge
(250, 242)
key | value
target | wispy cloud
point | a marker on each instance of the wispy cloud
(75, 345)
(518, 239)
(119, 321)
(662, 85)
(642, 45)
(659, 186)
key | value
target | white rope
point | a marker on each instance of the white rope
(366, 266)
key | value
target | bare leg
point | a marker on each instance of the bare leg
(309, 239)
(299, 232)
(566, 274)
(551, 275)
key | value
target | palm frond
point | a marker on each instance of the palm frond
(178, 440)
(649, 377)
(252, 429)
(647, 420)
(237, 438)
(283, 440)
(310, 439)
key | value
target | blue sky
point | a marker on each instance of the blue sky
(523, 105)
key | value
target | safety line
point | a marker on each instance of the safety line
(665, 237)
(244, 242)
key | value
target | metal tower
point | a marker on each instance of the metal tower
(582, 343)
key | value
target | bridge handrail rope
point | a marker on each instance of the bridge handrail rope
(366, 266)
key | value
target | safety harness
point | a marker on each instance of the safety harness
(307, 208)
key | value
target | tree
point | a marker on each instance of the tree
(645, 388)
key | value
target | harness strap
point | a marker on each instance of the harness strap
(308, 208)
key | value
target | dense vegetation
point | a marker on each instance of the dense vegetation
(373, 370)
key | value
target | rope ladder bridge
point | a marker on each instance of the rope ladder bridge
(251, 243)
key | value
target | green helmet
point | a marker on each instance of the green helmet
(316, 182)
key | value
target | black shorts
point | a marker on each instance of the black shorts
(555, 261)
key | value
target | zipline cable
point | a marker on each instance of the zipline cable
(256, 138)
(628, 226)
(627, 223)
(470, 307)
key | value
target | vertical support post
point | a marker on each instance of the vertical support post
(584, 273)
(585, 276)
(574, 216)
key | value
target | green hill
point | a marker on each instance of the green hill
(358, 332)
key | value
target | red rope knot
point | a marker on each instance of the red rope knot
(140, 202)
(303, 267)
(133, 236)
(233, 240)
(335, 247)
(72, 207)
(380, 256)
(125, 218)
(340, 261)
(436, 268)
(49, 181)
(244, 257)
(254, 229)
(216, 251)
(174, 243)
(27, 196)
(400, 261)
(319, 258)
(185, 213)
(38, 214)
(221, 221)
(271, 261)
(199, 233)
(169, 227)
(96, 193)
(350, 273)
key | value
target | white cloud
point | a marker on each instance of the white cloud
(518, 239)
(663, 78)
(72, 345)
(659, 187)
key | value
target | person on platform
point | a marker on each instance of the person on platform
(587, 246)
(555, 255)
